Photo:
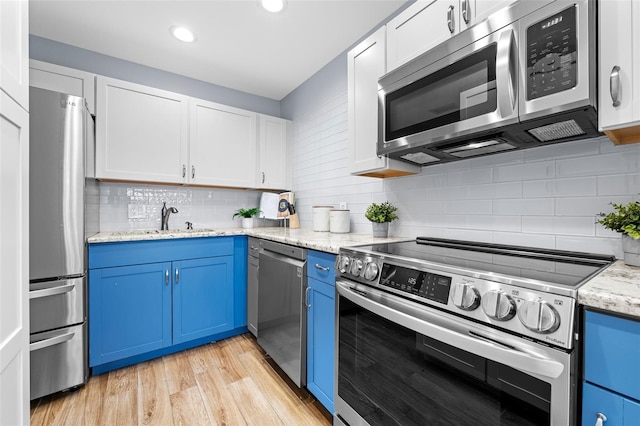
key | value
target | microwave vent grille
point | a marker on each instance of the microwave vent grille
(555, 131)
(419, 158)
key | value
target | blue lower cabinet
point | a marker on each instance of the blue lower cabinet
(202, 297)
(130, 311)
(172, 295)
(321, 327)
(618, 410)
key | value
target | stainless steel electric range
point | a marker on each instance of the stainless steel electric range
(437, 331)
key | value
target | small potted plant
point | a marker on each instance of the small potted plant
(380, 215)
(625, 218)
(247, 216)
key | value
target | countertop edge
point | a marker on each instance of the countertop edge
(616, 289)
(321, 241)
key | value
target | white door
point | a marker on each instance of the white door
(14, 262)
(14, 50)
(141, 133)
(273, 153)
(222, 145)
(14, 212)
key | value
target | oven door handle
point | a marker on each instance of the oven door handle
(451, 330)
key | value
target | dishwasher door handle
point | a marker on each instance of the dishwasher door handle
(306, 298)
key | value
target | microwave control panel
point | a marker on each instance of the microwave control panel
(552, 51)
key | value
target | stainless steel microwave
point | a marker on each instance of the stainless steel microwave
(524, 77)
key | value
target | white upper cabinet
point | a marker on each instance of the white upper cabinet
(474, 11)
(14, 51)
(141, 133)
(365, 65)
(65, 80)
(619, 70)
(427, 23)
(273, 153)
(222, 145)
(418, 28)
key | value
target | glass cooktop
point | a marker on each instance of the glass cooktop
(564, 268)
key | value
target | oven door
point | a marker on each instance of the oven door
(471, 90)
(403, 363)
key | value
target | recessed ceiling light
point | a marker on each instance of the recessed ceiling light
(273, 6)
(182, 34)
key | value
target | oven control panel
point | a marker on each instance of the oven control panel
(424, 284)
(542, 316)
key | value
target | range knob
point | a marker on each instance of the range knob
(498, 305)
(371, 271)
(342, 263)
(466, 297)
(356, 267)
(539, 316)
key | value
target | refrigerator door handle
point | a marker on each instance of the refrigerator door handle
(36, 294)
(41, 344)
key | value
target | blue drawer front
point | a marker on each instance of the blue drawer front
(612, 353)
(618, 410)
(106, 255)
(320, 266)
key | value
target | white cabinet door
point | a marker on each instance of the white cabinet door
(420, 27)
(14, 50)
(273, 153)
(619, 68)
(222, 148)
(474, 11)
(14, 262)
(365, 64)
(141, 133)
(65, 80)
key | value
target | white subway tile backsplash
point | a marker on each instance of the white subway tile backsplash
(494, 190)
(525, 239)
(617, 162)
(587, 206)
(559, 225)
(524, 172)
(623, 184)
(579, 148)
(575, 187)
(524, 207)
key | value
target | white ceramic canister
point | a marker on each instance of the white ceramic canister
(321, 218)
(339, 221)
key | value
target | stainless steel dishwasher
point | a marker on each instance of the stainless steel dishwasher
(282, 318)
(252, 285)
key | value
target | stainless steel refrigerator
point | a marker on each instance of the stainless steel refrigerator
(61, 129)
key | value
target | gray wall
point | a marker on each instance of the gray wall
(53, 52)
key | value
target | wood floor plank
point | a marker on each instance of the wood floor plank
(283, 400)
(223, 383)
(188, 408)
(227, 362)
(200, 358)
(154, 404)
(220, 405)
(258, 411)
(179, 373)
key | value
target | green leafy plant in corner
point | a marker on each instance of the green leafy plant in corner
(381, 213)
(246, 213)
(625, 218)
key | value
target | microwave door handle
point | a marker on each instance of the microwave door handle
(506, 62)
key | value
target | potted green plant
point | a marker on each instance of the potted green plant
(247, 216)
(380, 215)
(625, 218)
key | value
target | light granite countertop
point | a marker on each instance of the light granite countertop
(322, 241)
(615, 289)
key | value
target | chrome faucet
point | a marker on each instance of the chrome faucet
(166, 212)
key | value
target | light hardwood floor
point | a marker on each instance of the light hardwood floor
(230, 382)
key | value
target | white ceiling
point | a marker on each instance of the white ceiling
(239, 45)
